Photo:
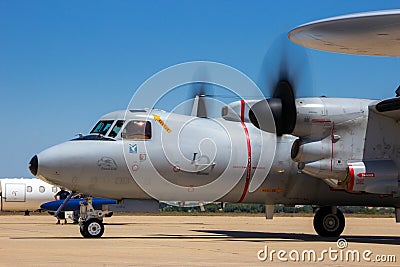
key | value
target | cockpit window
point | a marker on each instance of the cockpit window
(115, 130)
(137, 130)
(102, 127)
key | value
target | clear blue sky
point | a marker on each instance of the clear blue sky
(65, 63)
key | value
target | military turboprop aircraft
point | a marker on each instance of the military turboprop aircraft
(311, 150)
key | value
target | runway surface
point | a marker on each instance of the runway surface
(194, 241)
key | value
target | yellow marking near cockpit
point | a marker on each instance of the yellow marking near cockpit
(162, 123)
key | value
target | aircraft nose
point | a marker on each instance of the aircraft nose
(33, 165)
(48, 206)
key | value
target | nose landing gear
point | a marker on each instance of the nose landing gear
(329, 222)
(91, 221)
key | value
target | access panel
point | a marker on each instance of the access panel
(15, 192)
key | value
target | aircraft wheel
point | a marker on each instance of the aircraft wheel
(328, 224)
(92, 228)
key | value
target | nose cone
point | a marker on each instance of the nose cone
(33, 165)
(51, 205)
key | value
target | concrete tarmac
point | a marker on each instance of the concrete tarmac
(196, 241)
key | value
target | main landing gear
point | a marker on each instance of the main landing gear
(91, 221)
(329, 221)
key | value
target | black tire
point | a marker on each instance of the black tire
(328, 224)
(92, 228)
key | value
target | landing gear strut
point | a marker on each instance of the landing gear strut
(329, 222)
(90, 221)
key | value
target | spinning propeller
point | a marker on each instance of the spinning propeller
(286, 75)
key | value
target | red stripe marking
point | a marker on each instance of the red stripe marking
(320, 121)
(351, 185)
(242, 110)
(248, 171)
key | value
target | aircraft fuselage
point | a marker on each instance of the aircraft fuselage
(183, 158)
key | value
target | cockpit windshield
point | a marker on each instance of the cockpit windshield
(115, 130)
(102, 127)
(99, 132)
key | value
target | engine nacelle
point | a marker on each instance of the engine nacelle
(375, 176)
(317, 117)
(311, 118)
(238, 110)
(324, 169)
(242, 111)
(311, 151)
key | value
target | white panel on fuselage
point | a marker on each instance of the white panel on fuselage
(15, 192)
(370, 33)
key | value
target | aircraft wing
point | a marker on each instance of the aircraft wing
(371, 33)
(387, 107)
